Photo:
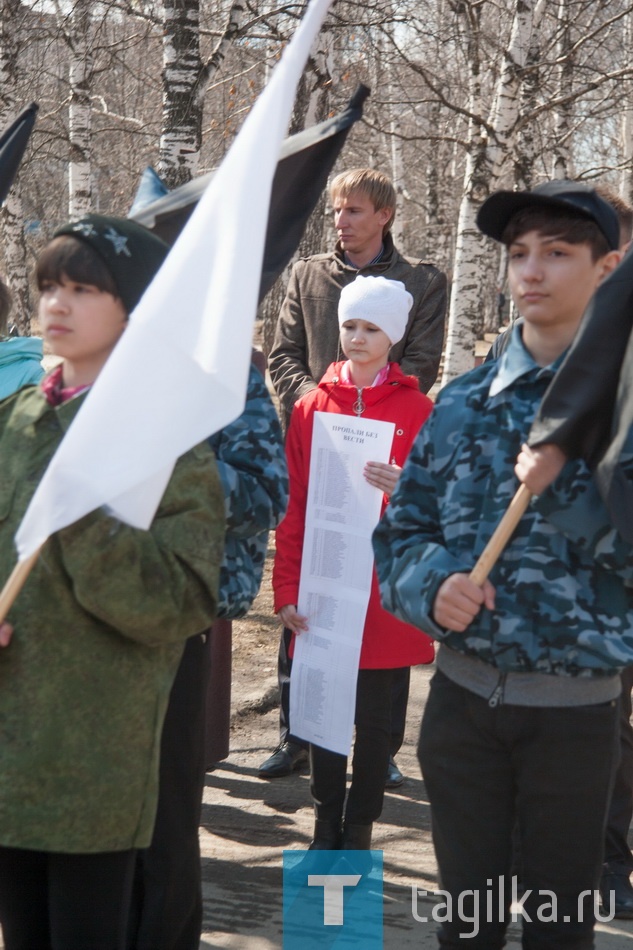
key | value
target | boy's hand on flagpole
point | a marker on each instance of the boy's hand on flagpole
(537, 468)
(382, 476)
(459, 600)
(293, 620)
(6, 632)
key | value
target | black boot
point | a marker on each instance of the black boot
(327, 835)
(616, 893)
(356, 837)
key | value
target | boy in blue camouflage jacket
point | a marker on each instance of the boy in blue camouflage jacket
(521, 722)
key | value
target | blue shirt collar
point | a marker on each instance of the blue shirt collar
(516, 361)
(377, 258)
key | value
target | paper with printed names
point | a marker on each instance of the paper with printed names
(342, 511)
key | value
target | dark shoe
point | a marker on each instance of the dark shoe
(356, 837)
(327, 836)
(616, 893)
(286, 758)
(395, 778)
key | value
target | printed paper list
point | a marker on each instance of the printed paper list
(342, 511)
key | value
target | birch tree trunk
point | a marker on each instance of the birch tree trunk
(385, 78)
(181, 134)
(397, 177)
(489, 144)
(561, 159)
(11, 214)
(231, 32)
(626, 175)
(79, 115)
(525, 145)
(443, 240)
(185, 80)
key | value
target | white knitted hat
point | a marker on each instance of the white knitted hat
(385, 303)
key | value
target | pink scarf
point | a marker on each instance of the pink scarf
(54, 392)
(346, 376)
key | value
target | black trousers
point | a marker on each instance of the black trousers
(550, 770)
(399, 698)
(166, 912)
(51, 901)
(328, 780)
(617, 854)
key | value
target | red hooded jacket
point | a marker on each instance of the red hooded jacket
(387, 642)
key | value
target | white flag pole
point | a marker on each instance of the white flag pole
(15, 582)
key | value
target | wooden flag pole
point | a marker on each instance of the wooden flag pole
(502, 534)
(15, 583)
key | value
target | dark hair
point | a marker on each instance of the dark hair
(621, 207)
(66, 257)
(560, 223)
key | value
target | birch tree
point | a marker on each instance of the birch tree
(79, 111)
(561, 157)
(626, 172)
(12, 214)
(526, 146)
(185, 79)
(182, 115)
(489, 143)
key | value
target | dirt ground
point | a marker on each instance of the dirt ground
(247, 822)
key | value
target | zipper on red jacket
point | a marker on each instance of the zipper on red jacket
(359, 405)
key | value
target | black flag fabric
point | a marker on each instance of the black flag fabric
(588, 408)
(305, 161)
(13, 142)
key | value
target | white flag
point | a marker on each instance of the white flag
(179, 372)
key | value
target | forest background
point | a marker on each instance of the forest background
(467, 96)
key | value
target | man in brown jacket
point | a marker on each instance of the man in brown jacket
(307, 341)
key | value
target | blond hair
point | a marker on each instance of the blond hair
(371, 183)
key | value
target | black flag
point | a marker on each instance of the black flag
(305, 161)
(588, 408)
(12, 145)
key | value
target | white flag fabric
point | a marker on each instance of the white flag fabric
(179, 372)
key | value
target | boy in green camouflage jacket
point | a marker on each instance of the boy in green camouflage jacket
(522, 717)
(94, 639)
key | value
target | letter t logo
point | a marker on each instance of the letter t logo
(333, 885)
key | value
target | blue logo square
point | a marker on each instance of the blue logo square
(333, 900)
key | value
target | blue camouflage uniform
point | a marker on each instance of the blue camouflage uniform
(167, 906)
(564, 600)
(252, 465)
(520, 729)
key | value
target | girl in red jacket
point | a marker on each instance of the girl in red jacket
(372, 315)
